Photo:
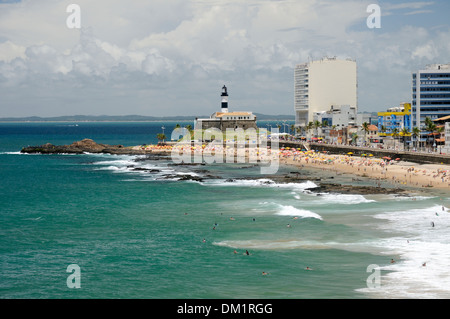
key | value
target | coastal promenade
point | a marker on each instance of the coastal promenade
(415, 157)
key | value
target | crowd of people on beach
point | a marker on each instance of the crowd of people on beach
(392, 170)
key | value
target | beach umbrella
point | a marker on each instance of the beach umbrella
(370, 154)
(350, 153)
(386, 157)
(397, 159)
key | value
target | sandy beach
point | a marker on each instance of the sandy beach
(396, 172)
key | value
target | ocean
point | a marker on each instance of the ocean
(132, 229)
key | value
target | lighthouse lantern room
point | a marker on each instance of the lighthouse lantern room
(224, 100)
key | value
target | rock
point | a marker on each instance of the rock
(350, 189)
(80, 147)
(183, 177)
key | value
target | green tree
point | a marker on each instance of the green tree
(317, 124)
(309, 127)
(416, 134)
(161, 137)
(395, 134)
(365, 128)
(404, 132)
(292, 129)
(430, 127)
(440, 130)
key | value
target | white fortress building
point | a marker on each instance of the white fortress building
(320, 84)
(224, 119)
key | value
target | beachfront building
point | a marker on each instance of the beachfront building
(337, 116)
(430, 93)
(320, 84)
(395, 119)
(224, 119)
(395, 124)
(442, 134)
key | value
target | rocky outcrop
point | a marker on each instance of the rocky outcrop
(350, 189)
(80, 147)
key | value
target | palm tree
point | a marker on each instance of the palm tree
(365, 127)
(317, 124)
(395, 134)
(354, 138)
(292, 129)
(430, 127)
(440, 130)
(416, 134)
(404, 132)
(161, 137)
(189, 127)
(309, 127)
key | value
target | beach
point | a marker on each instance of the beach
(397, 173)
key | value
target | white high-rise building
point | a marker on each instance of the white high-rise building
(321, 84)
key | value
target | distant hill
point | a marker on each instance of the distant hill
(127, 118)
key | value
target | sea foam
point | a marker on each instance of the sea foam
(424, 250)
(296, 212)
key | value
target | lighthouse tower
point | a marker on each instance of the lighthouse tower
(224, 100)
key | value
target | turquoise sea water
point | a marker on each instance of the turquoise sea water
(136, 234)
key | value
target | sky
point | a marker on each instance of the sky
(172, 57)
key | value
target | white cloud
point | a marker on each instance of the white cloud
(10, 51)
(155, 52)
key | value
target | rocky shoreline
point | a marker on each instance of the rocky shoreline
(89, 146)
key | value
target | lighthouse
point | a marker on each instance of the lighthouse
(224, 100)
